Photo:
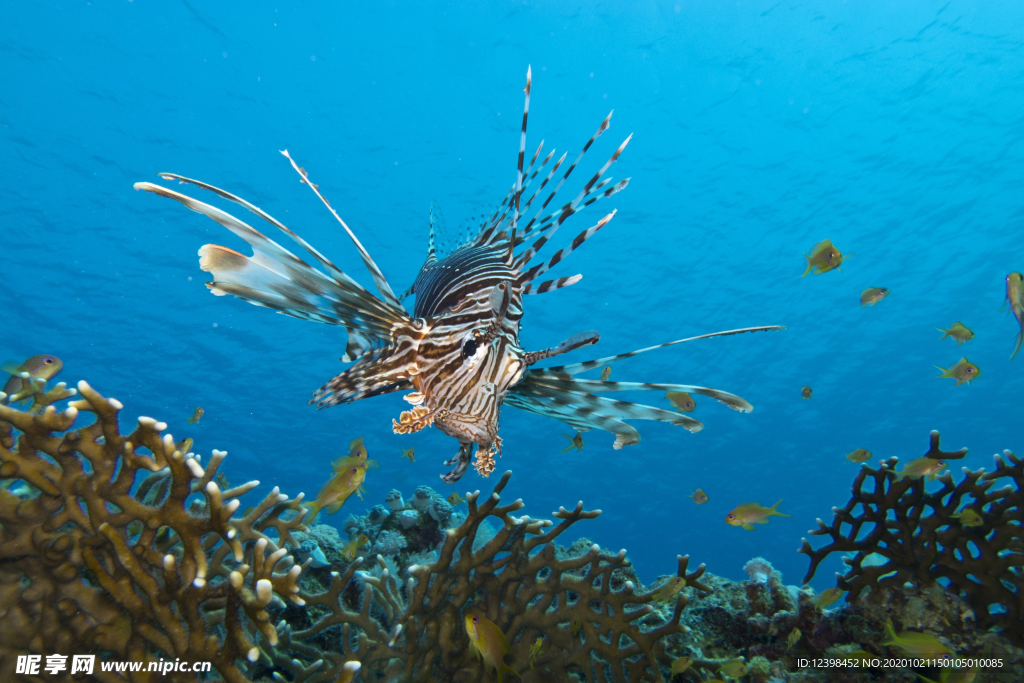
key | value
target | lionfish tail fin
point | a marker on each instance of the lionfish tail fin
(275, 278)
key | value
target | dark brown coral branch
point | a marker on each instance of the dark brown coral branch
(919, 541)
(127, 547)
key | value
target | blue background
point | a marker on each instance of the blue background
(894, 129)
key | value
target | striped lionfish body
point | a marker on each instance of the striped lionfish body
(458, 353)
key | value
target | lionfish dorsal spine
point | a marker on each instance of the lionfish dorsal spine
(375, 272)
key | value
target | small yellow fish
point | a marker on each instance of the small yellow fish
(749, 514)
(806, 392)
(958, 332)
(859, 455)
(351, 549)
(915, 644)
(968, 517)
(793, 639)
(606, 373)
(828, 597)
(356, 449)
(337, 490)
(963, 371)
(575, 626)
(681, 400)
(824, 257)
(1015, 297)
(184, 446)
(409, 454)
(455, 499)
(921, 467)
(680, 664)
(488, 643)
(535, 649)
(577, 442)
(734, 668)
(40, 369)
(357, 456)
(669, 589)
(699, 497)
(195, 416)
(872, 295)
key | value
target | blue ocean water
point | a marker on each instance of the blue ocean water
(760, 128)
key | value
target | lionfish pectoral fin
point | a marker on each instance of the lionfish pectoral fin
(576, 368)
(574, 342)
(356, 346)
(275, 278)
(564, 410)
(378, 371)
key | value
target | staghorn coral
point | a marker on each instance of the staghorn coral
(413, 631)
(89, 566)
(923, 544)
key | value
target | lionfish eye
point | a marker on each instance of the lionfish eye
(469, 349)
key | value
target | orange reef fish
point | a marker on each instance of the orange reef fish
(734, 668)
(184, 446)
(455, 499)
(806, 392)
(915, 644)
(958, 332)
(577, 442)
(823, 258)
(456, 355)
(921, 467)
(699, 497)
(872, 295)
(488, 643)
(357, 457)
(968, 517)
(963, 371)
(749, 514)
(682, 400)
(606, 374)
(793, 639)
(680, 664)
(1015, 297)
(40, 369)
(828, 597)
(669, 589)
(351, 549)
(535, 650)
(409, 454)
(337, 490)
(859, 455)
(195, 416)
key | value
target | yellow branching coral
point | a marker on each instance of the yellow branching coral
(126, 547)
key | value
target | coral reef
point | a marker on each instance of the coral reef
(581, 601)
(126, 547)
(896, 532)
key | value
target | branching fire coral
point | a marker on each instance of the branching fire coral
(591, 619)
(124, 546)
(924, 538)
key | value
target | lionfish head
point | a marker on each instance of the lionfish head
(466, 361)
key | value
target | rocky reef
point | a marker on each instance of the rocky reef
(127, 547)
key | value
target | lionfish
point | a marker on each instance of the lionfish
(458, 352)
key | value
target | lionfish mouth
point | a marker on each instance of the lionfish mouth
(467, 428)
